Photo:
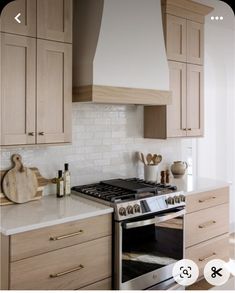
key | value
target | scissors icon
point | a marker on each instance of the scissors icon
(216, 272)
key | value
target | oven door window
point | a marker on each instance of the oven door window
(151, 247)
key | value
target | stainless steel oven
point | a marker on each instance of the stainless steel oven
(146, 249)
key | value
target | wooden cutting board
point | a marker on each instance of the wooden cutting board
(20, 184)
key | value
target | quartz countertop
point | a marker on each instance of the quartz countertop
(191, 185)
(48, 211)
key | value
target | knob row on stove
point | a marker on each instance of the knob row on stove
(176, 199)
(129, 210)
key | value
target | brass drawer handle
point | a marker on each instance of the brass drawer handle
(189, 129)
(207, 257)
(53, 238)
(41, 133)
(207, 199)
(184, 129)
(207, 224)
(31, 134)
(67, 272)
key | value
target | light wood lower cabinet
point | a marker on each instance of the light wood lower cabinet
(216, 248)
(68, 268)
(207, 226)
(63, 257)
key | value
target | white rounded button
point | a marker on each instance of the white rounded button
(185, 272)
(216, 272)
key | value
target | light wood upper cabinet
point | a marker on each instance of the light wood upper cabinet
(184, 40)
(195, 100)
(54, 92)
(195, 42)
(176, 34)
(27, 9)
(18, 71)
(177, 111)
(54, 20)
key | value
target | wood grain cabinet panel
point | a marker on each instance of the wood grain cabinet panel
(195, 100)
(67, 268)
(43, 240)
(176, 34)
(54, 20)
(105, 284)
(176, 112)
(208, 199)
(54, 92)
(27, 10)
(195, 42)
(216, 248)
(18, 79)
(206, 224)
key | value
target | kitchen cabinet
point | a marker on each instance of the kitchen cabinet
(36, 74)
(184, 117)
(184, 40)
(27, 10)
(18, 87)
(184, 36)
(54, 20)
(54, 91)
(207, 226)
(70, 256)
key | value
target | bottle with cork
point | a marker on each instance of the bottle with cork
(67, 180)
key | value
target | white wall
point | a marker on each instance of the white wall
(105, 139)
(216, 152)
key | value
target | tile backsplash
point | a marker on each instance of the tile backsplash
(105, 141)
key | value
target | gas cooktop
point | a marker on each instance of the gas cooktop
(117, 190)
(133, 197)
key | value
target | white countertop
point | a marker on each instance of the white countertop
(46, 212)
(191, 185)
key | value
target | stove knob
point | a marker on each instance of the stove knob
(130, 210)
(170, 200)
(122, 211)
(136, 208)
(182, 197)
(176, 199)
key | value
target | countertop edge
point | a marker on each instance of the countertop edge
(10, 232)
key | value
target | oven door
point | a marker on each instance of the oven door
(147, 249)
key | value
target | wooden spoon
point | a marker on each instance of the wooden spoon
(149, 158)
(157, 159)
(143, 159)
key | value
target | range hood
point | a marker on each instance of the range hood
(119, 52)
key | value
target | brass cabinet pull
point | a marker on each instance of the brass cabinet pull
(53, 238)
(67, 272)
(41, 133)
(207, 257)
(31, 134)
(184, 129)
(207, 199)
(189, 129)
(207, 224)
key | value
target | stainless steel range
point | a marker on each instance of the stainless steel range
(148, 230)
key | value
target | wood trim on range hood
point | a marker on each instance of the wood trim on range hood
(119, 54)
(120, 95)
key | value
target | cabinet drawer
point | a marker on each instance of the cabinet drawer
(206, 224)
(39, 241)
(68, 268)
(204, 200)
(101, 285)
(216, 248)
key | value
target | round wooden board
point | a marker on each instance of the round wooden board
(20, 184)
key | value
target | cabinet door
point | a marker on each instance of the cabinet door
(195, 100)
(176, 112)
(176, 34)
(18, 65)
(195, 42)
(54, 20)
(54, 92)
(27, 10)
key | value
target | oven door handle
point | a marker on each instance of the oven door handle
(155, 220)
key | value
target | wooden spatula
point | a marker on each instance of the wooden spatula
(20, 183)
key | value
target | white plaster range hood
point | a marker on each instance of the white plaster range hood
(119, 52)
